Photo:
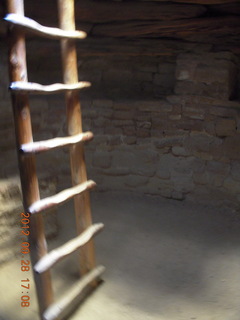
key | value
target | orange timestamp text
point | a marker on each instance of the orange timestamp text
(25, 262)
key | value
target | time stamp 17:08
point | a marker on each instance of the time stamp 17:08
(25, 264)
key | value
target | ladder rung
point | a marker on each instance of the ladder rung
(60, 197)
(45, 145)
(55, 255)
(32, 87)
(36, 28)
(71, 298)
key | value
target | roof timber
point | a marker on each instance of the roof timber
(204, 2)
(213, 22)
(185, 29)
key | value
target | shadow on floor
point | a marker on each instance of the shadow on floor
(165, 260)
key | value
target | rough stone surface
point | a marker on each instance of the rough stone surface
(212, 75)
(225, 127)
(135, 181)
(231, 151)
(235, 170)
(10, 210)
(101, 159)
(147, 139)
(180, 151)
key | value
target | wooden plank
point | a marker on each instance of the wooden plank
(27, 165)
(60, 197)
(180, 29)
(95, 11)
(74, 123)
(112, 11)
(31, 25)
(226, 8)
(56, 255)
(204, 2)
(40, 146)
(36, 88)
(71, 298)
(103, 11)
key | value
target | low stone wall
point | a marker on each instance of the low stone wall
(162, 126)
(207, 74)
(170, 147)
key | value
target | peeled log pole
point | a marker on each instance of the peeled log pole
(32, 26)
(57, 254)
(70, 299)
(60, 197)
(37, 88)
(74, 124)
(27, 165)
(41, 146)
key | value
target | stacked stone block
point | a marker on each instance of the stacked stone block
(162, 125)
(210, 74)
(180, 152)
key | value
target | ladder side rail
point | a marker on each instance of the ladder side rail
(27, 165)
(74, 123)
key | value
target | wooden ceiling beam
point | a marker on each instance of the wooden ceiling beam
(186, 29)
(203, 2)
(188, 20)
(109, 11)
(95, 11)
(230, 8)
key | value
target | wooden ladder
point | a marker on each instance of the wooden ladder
(20, 88)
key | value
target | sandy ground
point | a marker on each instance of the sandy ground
(165, 260)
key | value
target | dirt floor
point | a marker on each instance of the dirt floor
(164, 259)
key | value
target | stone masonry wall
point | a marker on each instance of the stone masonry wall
(178, 147)
(166, 126)
(184, 145)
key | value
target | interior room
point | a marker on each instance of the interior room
(162, 100)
